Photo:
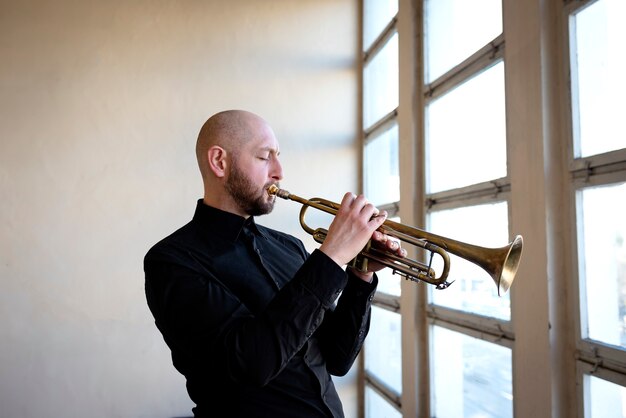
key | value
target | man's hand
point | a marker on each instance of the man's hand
(354, 225)
(383, 242)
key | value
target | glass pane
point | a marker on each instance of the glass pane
(473, 289)
(383, 357)
(605, 399)
(602, 259)
(466, 133)
(376, 15)
(380, 83)
(382, 176)
(377, 407)
(600, 65)
(388, 282)
(470, 377)
(455, 29)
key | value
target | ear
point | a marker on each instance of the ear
(217, 160)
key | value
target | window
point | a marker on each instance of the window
(465, 148)
(598, 63)
(466, 130)
(597, 161)
(382, 350)
(514, 117)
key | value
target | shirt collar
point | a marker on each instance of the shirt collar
(226, 224)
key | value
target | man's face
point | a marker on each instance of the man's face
(253, 169)
(251, 198)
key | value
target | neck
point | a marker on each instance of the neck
(223, 201)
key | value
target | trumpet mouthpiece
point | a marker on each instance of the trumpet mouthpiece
(274, 190)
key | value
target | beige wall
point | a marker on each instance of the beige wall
(100, 104)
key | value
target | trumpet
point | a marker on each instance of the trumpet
(500, 263)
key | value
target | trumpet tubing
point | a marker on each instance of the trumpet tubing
(500, 263)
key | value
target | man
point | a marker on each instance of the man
(249, 316)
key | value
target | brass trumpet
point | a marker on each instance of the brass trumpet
(500, 263)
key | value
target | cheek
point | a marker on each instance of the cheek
(257, 176)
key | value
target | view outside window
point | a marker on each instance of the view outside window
(602, 252)
(383, 355)
(466, 133)
(382, 177)
(380, 83)
(377, 407)
(455, 29)
(376, 15)
(606, 399)
(598, 68)
(471, 377)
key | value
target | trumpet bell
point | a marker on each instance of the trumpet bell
(510, 264)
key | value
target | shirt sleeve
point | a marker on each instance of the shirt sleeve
(206, 324)
(344, 329)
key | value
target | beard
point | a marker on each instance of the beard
(246, 195)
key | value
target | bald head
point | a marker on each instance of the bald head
(229, 129)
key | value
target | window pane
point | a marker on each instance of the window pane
(382, 177)
(380, 83)
(388, 282)
(466, 133)
(377, 407)
(473, 289)
(376, 15)
(602, 259)
(470, 377)
(605, 399)
(383, 348)
(600, 65)
(455, 29)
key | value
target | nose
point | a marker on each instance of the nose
(276, 172)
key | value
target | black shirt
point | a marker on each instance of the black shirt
(251, 319)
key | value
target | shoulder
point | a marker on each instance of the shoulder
(173, 246)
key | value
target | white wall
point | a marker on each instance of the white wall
(100, 105)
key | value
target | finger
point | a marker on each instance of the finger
(379, 237)
(380, 218)
(393, 244)
(347, 200)
(361, 204)
(369, 211)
